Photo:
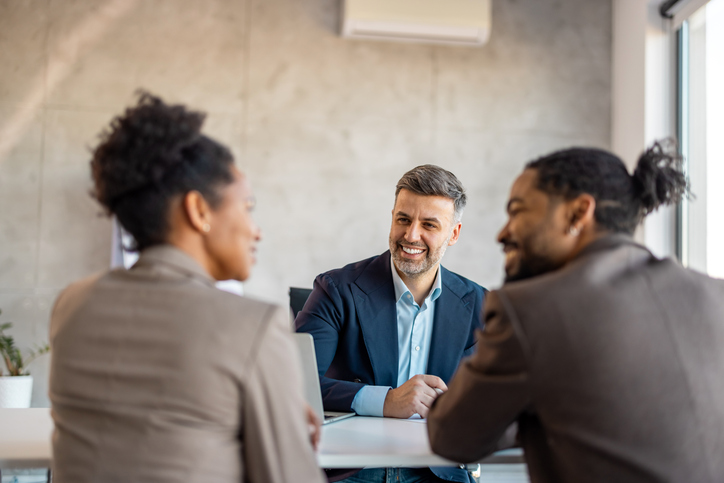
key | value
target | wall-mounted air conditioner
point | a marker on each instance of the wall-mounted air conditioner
(461, 22)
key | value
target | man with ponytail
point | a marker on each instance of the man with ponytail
(609, 359)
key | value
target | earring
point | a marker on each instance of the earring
(206, 227)
(574, 231)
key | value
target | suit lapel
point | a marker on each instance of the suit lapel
(451, 328)
(374, 299)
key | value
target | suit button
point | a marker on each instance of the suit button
(357, 380)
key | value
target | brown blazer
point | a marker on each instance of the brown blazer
(157, 376)
(613, 367)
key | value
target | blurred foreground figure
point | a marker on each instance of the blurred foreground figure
(609, 359)
(156, 375)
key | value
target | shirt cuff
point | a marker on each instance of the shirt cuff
(370, 400)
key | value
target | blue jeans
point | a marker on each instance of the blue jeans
(393, 475)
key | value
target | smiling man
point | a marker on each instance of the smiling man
(609, 358)
(390, 331)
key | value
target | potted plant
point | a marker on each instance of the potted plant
(16, 385)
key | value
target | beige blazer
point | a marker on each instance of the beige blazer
(157, 376)
(613, 367)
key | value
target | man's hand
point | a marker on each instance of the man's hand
(413, 397)
(315, 427)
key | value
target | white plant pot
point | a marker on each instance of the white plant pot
(15, 391)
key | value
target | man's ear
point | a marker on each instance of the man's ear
(198, 211)
(582, 211)
(455, 234)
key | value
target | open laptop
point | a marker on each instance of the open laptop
(312, 390)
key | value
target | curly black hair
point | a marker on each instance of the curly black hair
(622, 200)
(149, 155)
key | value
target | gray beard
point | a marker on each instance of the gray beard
(415, 269)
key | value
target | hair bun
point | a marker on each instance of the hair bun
(658, 178)
(142, 146)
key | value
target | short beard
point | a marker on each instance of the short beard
(533, 264)
(532, 267)
(415, 269)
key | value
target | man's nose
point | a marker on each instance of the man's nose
(504, 233)
(413, 232)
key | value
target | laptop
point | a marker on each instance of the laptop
(312, 389)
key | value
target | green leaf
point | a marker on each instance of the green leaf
(11, 355)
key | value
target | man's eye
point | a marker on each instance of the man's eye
(403, 220)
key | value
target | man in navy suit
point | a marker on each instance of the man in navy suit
(390, 331)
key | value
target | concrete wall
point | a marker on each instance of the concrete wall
(323, 126)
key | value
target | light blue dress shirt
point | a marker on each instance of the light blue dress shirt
(414, 334)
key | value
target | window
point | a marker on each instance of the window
(701, 135)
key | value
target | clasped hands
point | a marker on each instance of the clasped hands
(413, 397)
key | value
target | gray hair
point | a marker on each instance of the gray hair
(431, 180)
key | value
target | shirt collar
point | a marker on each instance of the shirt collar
(401, 289)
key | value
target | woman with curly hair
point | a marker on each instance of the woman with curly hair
(156, 375)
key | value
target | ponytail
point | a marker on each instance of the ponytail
(658, 179)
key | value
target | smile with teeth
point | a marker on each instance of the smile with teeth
(412, 251)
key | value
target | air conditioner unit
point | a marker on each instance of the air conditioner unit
(461, 22)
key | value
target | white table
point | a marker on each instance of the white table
(25, 438)
(352, 443)
(384, 442)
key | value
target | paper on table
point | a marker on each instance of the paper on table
(415, 418)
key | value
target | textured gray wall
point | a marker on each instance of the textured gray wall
(323, 126)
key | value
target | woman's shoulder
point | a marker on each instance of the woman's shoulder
(232, 313)
(77, 292)
(246, 326)
(221, 301)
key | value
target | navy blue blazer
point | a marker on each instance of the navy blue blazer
(352, 316)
